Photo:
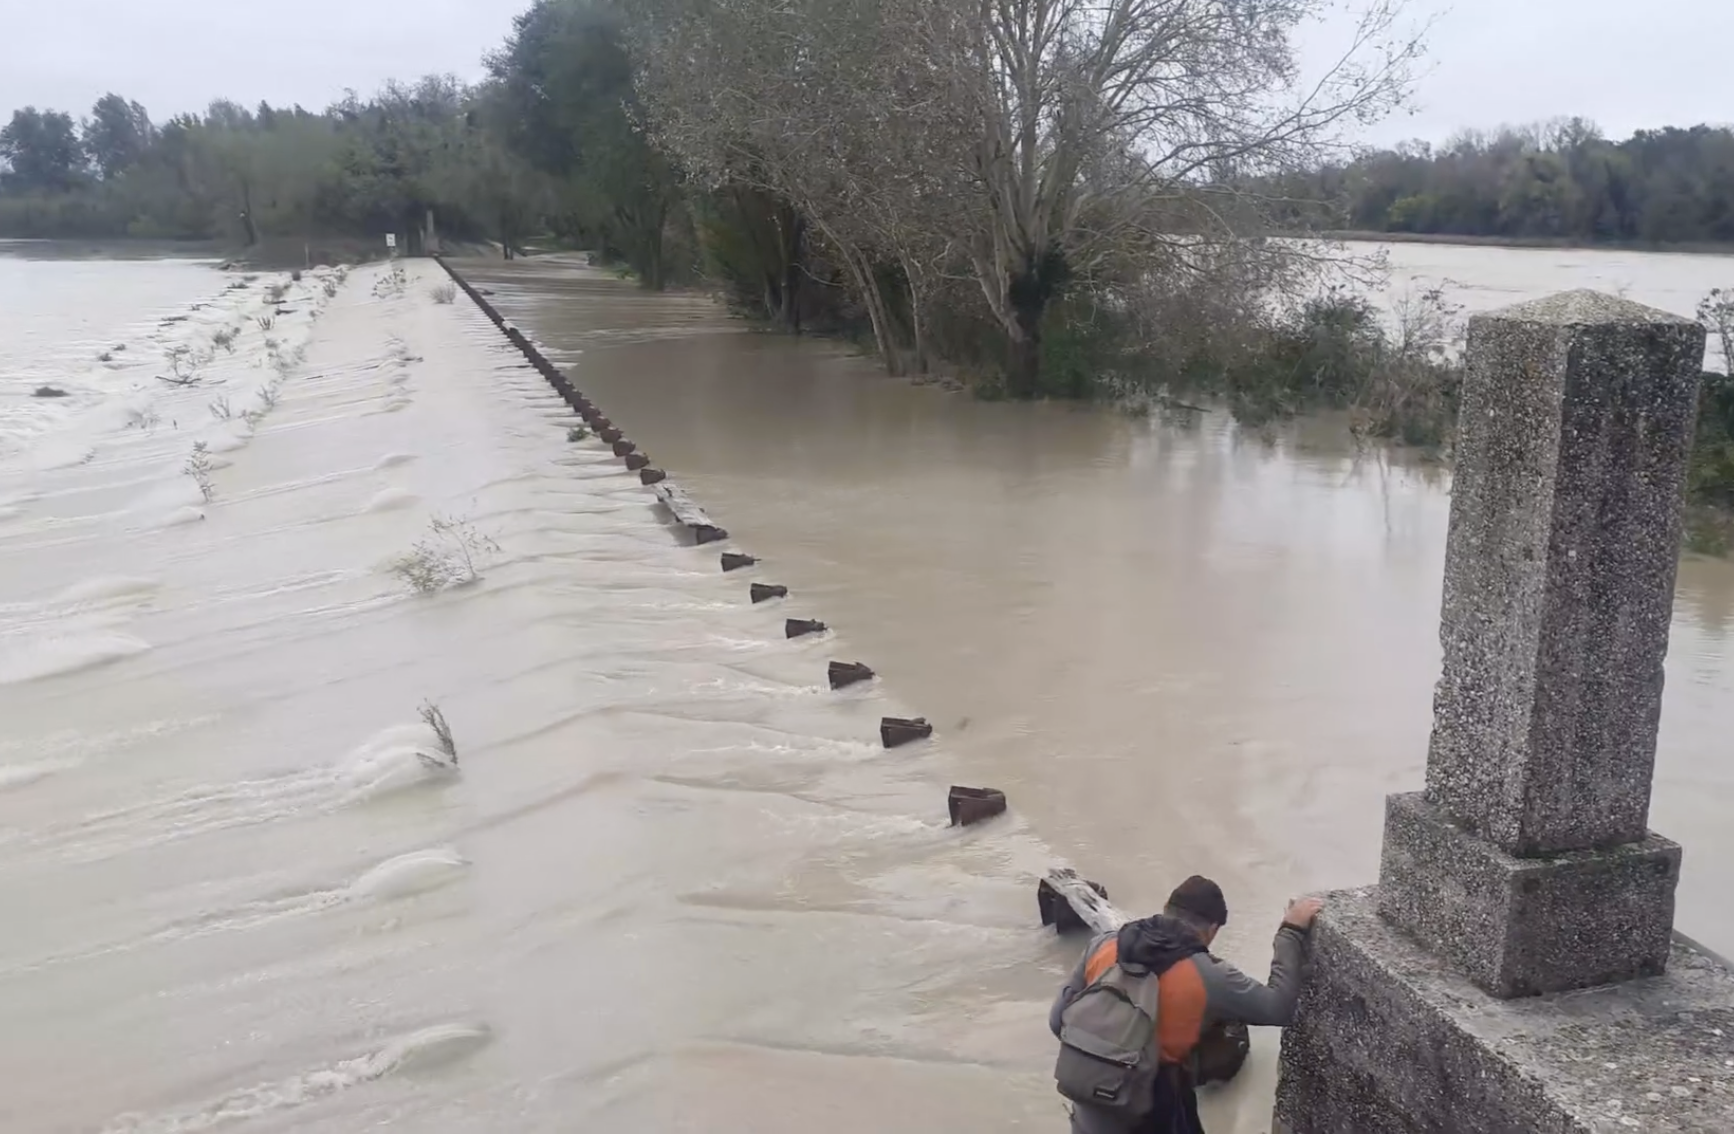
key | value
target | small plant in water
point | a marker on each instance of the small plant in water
(225, 338)
(1716, 312)
(393, 283)
(221, 409)
(105, 356)
(185, 365)
(577, 433)
(198, 467)
(444, 293)
(145, 419)
(436, 720)
(266, 322)
(446, 557)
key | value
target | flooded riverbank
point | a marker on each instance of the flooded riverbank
(672, 882)
(1177, 648)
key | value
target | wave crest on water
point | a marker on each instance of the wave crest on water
(23, 775)
(36, 658)
(410, 873)
(420, 1051)
(390, 500)
(106, 588)
(60, 453)
(393, 759)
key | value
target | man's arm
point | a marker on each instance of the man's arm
(1074, 985)
(1232, 995)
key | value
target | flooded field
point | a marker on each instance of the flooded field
(669, 881)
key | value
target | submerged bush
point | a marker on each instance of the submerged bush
(447, 557)
(1220, 337)
(199, 468)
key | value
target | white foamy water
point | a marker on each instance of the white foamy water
(251, 888)
(1478, 279)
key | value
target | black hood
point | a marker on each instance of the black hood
(1157, 942)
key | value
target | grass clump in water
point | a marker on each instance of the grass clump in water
(446, 557)
(393, 284)
(199, 467)
(185, 366)
(436, 721)
(444, 293)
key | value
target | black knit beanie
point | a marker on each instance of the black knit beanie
(1201, 898)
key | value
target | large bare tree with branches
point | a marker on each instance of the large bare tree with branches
(776, 95)
(1028, 144)
(1117, 129)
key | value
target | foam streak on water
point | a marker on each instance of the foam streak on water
(253, 886)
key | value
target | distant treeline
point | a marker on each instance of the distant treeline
(1094, 221)
(1559, 181)
(240, 174)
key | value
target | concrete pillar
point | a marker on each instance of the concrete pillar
(1528, 859)
(1526, 867)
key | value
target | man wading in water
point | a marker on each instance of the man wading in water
(1130, 1016)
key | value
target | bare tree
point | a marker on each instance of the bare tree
(768, 94)
(1116, 127)
(1028, 144)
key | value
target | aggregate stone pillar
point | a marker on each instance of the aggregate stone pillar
(1526, 868)
(1528, 861)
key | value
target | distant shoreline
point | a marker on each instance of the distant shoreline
(272, 253)
(1357, 236)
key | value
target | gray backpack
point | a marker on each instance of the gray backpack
(1108, 1043)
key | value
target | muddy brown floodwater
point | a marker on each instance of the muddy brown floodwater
(1177, 647)
(674, 884)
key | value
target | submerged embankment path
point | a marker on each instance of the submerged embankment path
(1179, 646)
(670, 882)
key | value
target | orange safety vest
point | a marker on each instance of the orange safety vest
(1180, 1015)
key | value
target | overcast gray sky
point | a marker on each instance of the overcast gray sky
(1622, 63)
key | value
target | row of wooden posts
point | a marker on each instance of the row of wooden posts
(966, 805)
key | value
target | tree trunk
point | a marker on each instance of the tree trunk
(792, 272)
(861, 270)
(1024, 366)
(247, 213)
(783, 276)
(877, 314)
(917, 312)
(919, 328)
(654, 276)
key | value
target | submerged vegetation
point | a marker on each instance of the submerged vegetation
(1052, 198)
(839, 168)
(435, 719)
(199, 467)
(450, 555)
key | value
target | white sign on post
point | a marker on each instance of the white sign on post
(391, 240)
